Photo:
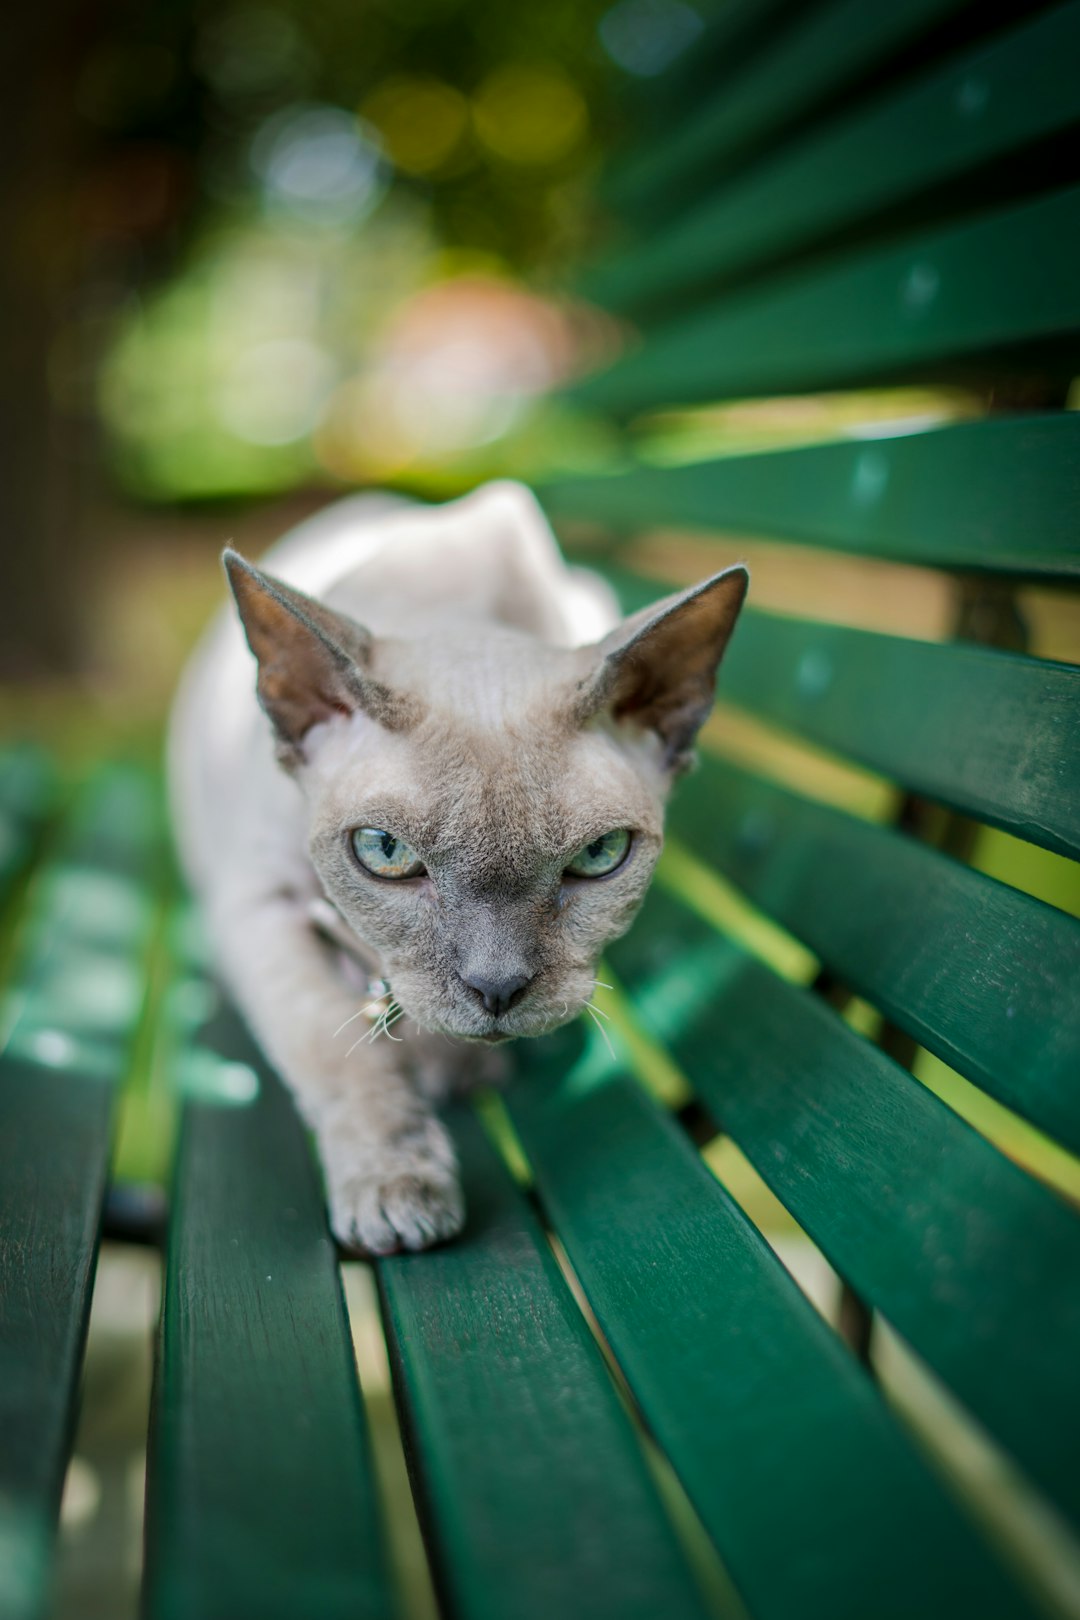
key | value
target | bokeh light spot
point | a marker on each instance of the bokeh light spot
(422, 122)
(249, 51)
(645, 36)
(530, 115)
(319, 163)
(274, 392)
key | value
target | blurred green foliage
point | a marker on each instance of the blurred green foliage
(271, 182)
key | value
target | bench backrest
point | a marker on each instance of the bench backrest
(871, 197)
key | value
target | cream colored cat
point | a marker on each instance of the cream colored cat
(465, 807)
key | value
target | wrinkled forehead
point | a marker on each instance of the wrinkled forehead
(503, 799)
(492, 806)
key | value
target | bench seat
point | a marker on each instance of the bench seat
(836, 1031)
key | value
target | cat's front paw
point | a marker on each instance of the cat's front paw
(410, 1199)
(383, 1214)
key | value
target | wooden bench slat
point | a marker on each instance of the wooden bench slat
(260, 1494)
(827, 48)
(995, 495)
(772, 1426)
(980, 106)
(731, 35)
(27, 793)
(972, 1260)
(991, 734)
(984, 975)
(937, 303)
(531, 1481)
(69, 1018)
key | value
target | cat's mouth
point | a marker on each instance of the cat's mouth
(535, 1025)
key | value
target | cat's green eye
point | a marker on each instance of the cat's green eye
(385, 855)
(602, 856)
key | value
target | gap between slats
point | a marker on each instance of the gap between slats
(711, 897)
(1017, 1520)
(1024, 1527)
(99, 1550)
(408, 1555)
(409, 1558)
(712, 1576)
(98, 1560)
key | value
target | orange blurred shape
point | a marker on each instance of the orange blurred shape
(455, 370)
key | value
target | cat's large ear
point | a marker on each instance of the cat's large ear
(658, 668)
(313, 663)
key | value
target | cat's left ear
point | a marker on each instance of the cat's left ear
(313, 662)
(658, 668)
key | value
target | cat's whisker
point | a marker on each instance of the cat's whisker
(589, 1008)
(377, 1028)
(369, 1034)
(358, 1014)
(598, 984)
(594, 1008)
(390, 1016)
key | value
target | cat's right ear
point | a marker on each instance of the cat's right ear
(657, 670)
(313, 663)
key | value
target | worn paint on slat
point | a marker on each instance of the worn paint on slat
(533, 1486)
(261, 1496)
(994, 735)
(972, 1261)
(982, 106)
(829, 47)
(983, 975)
(27, 793)
(998, 495)
(69, 1019)
(765, 1416)
(951, 300)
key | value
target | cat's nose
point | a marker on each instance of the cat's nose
(498, 995)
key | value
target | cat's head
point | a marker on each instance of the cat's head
(486, 811)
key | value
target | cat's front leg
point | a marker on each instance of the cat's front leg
(391, 1171)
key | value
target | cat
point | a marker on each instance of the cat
(446, 802)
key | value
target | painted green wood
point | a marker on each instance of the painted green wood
(994, 735)
(260, 1495)
(1020, 88)
(829, 47)
(982, 974)
(68, 1018)
(774, 1429)
(939, 302)
(999, 494)
(731, 34)
(27, 794)
(973, 1261)
(532, 1484)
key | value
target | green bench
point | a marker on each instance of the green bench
(615, 1398)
